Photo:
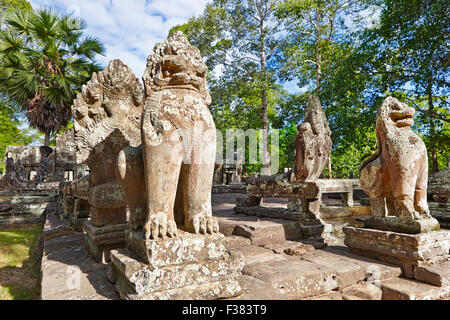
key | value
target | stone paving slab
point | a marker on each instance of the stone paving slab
(294, 279)
(362, 291)
(255, 254)
(67, 272)
(255, 289)
(333, 295)
(375, 270)
(348, 272)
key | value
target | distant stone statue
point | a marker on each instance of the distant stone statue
(313, 143)
(169, 178)
(395, 177)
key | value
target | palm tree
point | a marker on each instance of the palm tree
(44, 61)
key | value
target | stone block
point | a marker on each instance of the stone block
(404, 289)
(362, 291)
(405, 250)
(255, 289)
(254, 254)
(101, 240)
(374, 270)
(348, 272)
(186, 248)
(292, 248)
(437, 274)
(294, 279)
(199, 267)
(232, 242)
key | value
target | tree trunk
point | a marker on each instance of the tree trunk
(319, 74)
(47, 139)
(264, 105)
(434, 160)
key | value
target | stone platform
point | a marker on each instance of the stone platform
(25, 206)
(355, 277)
(410, 251)
(101, 240)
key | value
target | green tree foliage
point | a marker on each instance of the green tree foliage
(44, 61)
(239, 40)
(7, 6)
(10, 133)
(351, 53)
(404, 54)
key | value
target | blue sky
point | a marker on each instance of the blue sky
(128, 28)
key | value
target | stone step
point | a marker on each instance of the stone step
(437, 274)
(260, 231)
(362, 291)
(375, 270)
(236, 242)
(254, 254)
(291, 248)
(294, 279)
(405, 289)
(67, 273)
(348, 272)
(255, 289)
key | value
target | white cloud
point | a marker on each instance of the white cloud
(128, 28)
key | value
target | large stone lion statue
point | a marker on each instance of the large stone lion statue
(168, 179)
(395, 177)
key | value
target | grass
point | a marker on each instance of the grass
(18, 273)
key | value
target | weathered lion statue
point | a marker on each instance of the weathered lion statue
(395, 177)
(168, 179)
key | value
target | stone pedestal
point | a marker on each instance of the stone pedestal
(190, 266)
(410, 251)
(80, 214)
(402, 224)
(101, 240)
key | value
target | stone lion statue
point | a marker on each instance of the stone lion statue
(168, 179)
(395, 177)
